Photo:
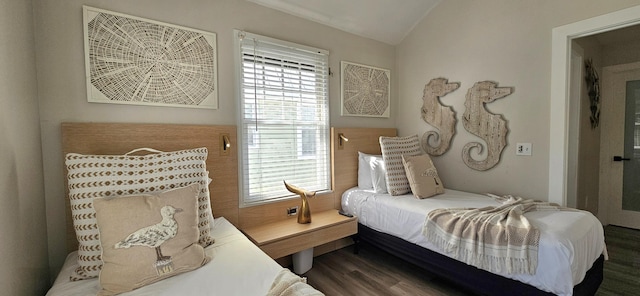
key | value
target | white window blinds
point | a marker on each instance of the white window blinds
(284, 113)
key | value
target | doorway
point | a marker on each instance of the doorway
(560, 101)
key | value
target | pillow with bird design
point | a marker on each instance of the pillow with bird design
(147, 238)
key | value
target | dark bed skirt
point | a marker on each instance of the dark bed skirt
(470, 278)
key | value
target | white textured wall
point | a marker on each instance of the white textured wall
(504, 41)
(23, 228)
(61, 74)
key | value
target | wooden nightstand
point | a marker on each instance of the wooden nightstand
(286, 237)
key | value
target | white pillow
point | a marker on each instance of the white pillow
(378, 175)
(364, 170)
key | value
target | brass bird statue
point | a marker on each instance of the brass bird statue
(304, 215)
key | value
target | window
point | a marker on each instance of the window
(284, 118)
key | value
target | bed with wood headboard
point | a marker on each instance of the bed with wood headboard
(466, 276)
(235, 266)
(120, 138)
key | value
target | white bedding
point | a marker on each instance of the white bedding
(237, 267)
(569, 241)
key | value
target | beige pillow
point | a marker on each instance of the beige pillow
(393, 148)
(147, 238)
(94, 176)
(423, 176)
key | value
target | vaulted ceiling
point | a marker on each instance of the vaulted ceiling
(388, 21)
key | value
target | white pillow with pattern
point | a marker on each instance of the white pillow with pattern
(393, 148)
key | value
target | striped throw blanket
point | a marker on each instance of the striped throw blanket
(497, 239)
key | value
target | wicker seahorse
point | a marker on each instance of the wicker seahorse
(492, 128)
(441, 117)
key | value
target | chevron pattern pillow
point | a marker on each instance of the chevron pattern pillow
(95, 176)
(393, 148)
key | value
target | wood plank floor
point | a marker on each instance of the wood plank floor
(375, 272)
(622, 270)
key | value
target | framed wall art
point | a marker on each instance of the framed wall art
(131, 60)
(365, 90)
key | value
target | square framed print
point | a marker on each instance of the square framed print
(131, 60)
(365, 90)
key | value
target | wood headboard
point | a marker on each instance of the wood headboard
(120, 138)
(345, 154)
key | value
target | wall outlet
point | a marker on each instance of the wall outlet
(523, 148)
(292, 211)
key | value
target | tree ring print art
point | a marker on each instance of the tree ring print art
(130, 60)
(365, 90)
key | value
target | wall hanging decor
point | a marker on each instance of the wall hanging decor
(365, 90)
(593, 87)
(438, 115)
(131, 60)
(492, 128)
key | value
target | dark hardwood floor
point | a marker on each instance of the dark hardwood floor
(375, 272)
(622, 270)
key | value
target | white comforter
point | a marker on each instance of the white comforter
(569, 241)
(237, 267)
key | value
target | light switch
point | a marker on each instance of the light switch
(523, 148)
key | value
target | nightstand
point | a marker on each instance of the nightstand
(288, 237)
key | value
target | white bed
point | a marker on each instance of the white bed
(237, 267)
(570, 242)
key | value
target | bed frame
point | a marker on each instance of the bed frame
(470, 278)
(478, 281)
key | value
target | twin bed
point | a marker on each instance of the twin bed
(571, 252)
(235, 267)
(571, 244)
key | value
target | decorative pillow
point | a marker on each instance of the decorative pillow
(147, 238)
(94, 176)
(393, 148)
(423, 176)
(378, 175)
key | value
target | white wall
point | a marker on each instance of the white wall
(62, 92)
(504, 41)
(467, 41)
(589, 147)
(621, 53)
(23, 227)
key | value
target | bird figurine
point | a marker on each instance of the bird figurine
(304, 215)
(155, 235)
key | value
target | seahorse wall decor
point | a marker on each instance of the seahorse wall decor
(492, 128)
(439, 116)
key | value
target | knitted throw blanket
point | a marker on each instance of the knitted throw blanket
(497, 239)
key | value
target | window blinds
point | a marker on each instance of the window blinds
(285, 118)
